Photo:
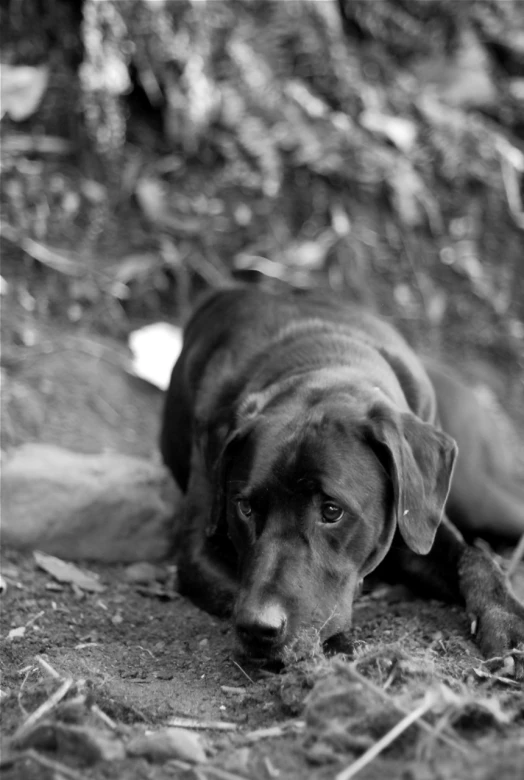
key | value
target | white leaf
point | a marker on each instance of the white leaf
(151, 197)
(16, 633)
(155, 349)
(400, 131)
(67, 572)
(21, 90)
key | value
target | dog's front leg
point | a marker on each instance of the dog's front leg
(497, 617)
(456, 571)
(203, 574)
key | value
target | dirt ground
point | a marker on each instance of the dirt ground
(148, 655)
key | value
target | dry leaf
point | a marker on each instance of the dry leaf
(21, 90)
(168, 743)
(67, 572)
(135, 266)
(151, 196)
(155, 349)
(17, 633)
(401, 132)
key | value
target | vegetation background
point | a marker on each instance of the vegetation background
(157, 148)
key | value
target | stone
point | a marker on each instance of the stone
(106, 507)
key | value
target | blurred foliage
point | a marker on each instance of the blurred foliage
(376, 147)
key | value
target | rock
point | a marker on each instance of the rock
(105, 507)
(168, 743)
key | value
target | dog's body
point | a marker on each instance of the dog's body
(306, 436)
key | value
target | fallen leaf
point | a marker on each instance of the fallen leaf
(143, 573)
(67, 572)
(16, 633)
(400, 131)
(21, 90)
(151, 196)
(136, 266)
(168, 743)
(155, 349)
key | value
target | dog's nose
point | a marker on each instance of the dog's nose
(263, 625)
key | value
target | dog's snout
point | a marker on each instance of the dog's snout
(261, 625)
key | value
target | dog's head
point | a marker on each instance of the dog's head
(312, 485)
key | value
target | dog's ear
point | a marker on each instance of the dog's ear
(222, 442)
(220, 471)
(421, 466)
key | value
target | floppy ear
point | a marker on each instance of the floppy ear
(421, 466)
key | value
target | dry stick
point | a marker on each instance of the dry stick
(246, 675)
(387, 739)
(44, 709)
(95, 709)
(50, 671)
(274, 731)
(518, 554)
(202, 725)
(421, 723)
(19, 697)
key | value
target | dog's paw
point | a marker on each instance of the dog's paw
(497, 617)
(499, 632)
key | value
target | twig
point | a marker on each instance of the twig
(19, 697)
(95, 709)
(34, 619)
(274, 731)
(44, 709)
(41, 252)
(421, 723)
(233, 689)
(388, 738)
(271, 770)
(518, 554)
(246, 675)
(48, 668)
(202, 725)
(48, 763)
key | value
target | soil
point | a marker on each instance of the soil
(150, 658)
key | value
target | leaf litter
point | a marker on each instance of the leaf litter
(63, 571)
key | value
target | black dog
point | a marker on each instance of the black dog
(305, 434)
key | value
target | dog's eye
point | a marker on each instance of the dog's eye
(244, 510)
(331, 512)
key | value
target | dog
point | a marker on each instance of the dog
(313, 448)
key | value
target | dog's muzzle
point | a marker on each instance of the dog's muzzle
(262, 629)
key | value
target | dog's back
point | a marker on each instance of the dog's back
(487, 496)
